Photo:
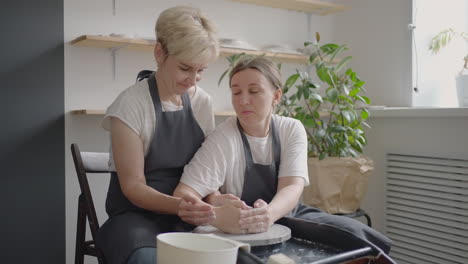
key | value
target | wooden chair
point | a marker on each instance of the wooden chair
(87, 162)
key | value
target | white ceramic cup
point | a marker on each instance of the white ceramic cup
(181, 248)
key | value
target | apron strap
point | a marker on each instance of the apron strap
(275, 144)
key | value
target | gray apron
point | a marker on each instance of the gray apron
(177, 137)
(261, 182)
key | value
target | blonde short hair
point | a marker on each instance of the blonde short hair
(187, 34)
(265, 66)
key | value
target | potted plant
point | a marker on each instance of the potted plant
(333, 112)
(332, 109)
(441, 40)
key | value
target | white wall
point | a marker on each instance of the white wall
(435, 133)
(89, 81)
(376, 31)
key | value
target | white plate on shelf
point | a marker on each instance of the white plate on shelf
(281, 49)
(236, 44)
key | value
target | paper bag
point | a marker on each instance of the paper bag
(337, 185)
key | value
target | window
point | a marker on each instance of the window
(434, 75)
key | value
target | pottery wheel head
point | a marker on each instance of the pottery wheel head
(276, 234)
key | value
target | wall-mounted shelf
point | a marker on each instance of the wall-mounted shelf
(101, 112)
(113, 42)
(307, 6)
(148, 45)
(88, 112)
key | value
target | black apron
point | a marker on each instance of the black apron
(176, 138)
(261, 182)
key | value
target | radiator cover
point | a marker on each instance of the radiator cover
(427, 209)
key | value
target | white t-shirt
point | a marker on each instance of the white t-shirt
(134, 106)
(220, 162)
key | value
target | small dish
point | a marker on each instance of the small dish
(236, 43)
(281, 48)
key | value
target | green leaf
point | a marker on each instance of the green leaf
(320, 133)
(359, 131)
(345, 99)
(358, 146)
(348, 72)
(364, 114)
(317, 97)
(322, 156)
(359, 84)
(346, 116)
(366, 99)
(313, 103)
(338, 129)
(352, 76)
(322, 73)
(313, 57)
(308, 121)
(316, 114)
(349, 116)
(353, 152)
(361, 98)
(337, 51)
(329, 48)
(310, 85)
(306, 92)
(354, 92)
(345, 89)
(299, 92)
(362, 139)
(233, 58)
(222, 76)
(332, 94)
(291, 81)
(342, 63)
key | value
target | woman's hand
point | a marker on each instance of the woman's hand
(194, 211)
(264, 215)
(256, 220)
(227, 217)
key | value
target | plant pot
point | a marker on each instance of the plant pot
(462, 90)
(337, 185)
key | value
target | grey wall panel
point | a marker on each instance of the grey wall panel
(32, 166)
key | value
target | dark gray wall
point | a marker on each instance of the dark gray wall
(32, 165)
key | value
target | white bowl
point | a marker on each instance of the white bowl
(175, 248)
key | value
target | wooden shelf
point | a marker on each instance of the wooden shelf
(98, 112)
(307, 6)
(281, 57)
(113, 42)
(88, 112)
(148, 45)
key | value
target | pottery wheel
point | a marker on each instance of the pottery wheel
(275, 234)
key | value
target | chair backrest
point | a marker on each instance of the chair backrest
(87, 162)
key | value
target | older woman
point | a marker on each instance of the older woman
(260, 158)
(156, 126)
